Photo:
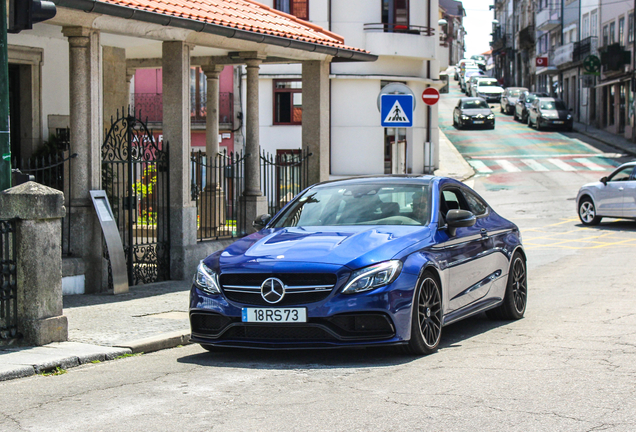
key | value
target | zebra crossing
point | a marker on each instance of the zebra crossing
(493, 165)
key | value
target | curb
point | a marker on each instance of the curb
(605, 141)
(157, 343)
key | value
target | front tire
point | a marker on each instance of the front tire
(426, 320)
(529, 122)
(514, 303)
(587, 212)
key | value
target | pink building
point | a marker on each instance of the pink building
(148, 97)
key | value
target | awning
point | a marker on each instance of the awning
(614, 81)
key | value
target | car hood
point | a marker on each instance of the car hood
(477, 111)
(561, 115)
(490, 90)
(352, 246)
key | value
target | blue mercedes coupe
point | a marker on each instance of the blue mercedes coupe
(362, 262)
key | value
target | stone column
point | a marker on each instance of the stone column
(253, 199)
(212, 202)
(176, 135)
(316, 131)
(86, 140)
(130, 73)
(38, 211)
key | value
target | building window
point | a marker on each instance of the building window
(621, 30)
(395, 15)
(630, 28)
(605, 36)
(288, 102)
(298, 8)
(586, 26)
(612, 33)
(198, 95)
(594, 23)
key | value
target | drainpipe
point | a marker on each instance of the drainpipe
(5, 143)
(428, 75)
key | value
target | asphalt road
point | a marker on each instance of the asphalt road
(567, 366)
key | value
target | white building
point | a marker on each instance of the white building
(405, 36)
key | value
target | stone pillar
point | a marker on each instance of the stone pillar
(130, 73)
(316, 118)
(86, 140)
(254, 201)
(176, 135)
(38, 211)
(116, 89)
(212, 203)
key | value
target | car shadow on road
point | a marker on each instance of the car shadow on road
(612, 225)
(452, 337)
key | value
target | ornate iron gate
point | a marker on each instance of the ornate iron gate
(135, 178)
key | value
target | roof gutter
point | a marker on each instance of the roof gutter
(100, 7)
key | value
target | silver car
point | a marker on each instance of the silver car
(612, 196)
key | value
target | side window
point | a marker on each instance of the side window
(452, 199)
(622, 175)
(477, 206)
(288, 102)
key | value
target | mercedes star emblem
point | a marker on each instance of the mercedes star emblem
(272, 290)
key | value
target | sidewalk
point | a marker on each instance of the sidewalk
(608, 138)
(148, 318)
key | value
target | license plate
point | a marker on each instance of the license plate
(558, 122)
(275, 315)
(478, 122)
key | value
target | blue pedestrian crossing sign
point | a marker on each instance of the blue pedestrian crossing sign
(396, 110)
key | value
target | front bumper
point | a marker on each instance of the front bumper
(556, 123)
(491, 98)
(377, 317)
(478, 122)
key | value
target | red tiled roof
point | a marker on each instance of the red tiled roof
(247, 15)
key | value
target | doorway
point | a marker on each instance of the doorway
(14, 112)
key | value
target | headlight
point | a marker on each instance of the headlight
(465, 117)
(373, 277)
(569, 116)
(206, 279)
(491, 116)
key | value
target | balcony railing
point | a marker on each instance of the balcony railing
(563, 54)
(584, 48)
(151, 106)
(399, 28)
(549, 17)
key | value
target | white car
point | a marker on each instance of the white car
(488, 89)
(612, 196)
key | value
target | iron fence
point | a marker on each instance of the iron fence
(217, 185)
(53, 170)
(283, 176)
(8, 282)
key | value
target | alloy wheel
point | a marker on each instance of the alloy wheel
(587, 212)
(430, 312)
(519, 287)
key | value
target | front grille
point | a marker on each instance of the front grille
(277, 333)
(300, 288)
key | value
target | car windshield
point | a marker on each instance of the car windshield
(488, 84)
(553, 105)
(359, 204)
(515, 92)
(478, 57)
(531, 97)
(472, 73)
(474, 103)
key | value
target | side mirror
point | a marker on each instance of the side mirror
(459, 219)
(260, 221)
(604, 180)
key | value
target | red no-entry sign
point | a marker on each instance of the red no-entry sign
(430, 96)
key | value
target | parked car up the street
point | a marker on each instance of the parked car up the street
(509, 98)
(523, 104)
(488, 89)
(550, 112)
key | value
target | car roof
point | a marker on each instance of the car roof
(516, 88)
(487, 79)
(466, 99)
(388, 179)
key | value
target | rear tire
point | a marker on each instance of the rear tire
(587, 212)
(426, 320)
(514, 303)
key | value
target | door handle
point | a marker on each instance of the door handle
(620, 188)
